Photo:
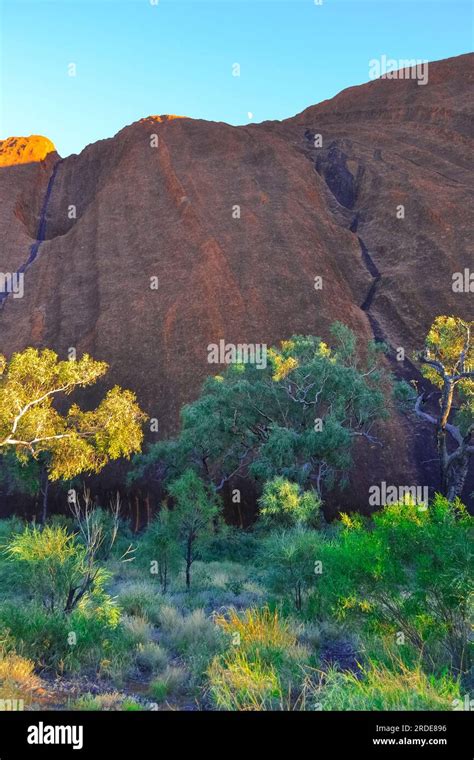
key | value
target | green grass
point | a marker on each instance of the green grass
(380, 688)
(192, 636)
(108, 702)
(140, 599)
(264, 666)
(168, 684)
(151, 657)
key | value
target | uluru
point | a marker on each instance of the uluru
(177, 233)
(236, 374)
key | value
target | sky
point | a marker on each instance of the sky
(135, 58)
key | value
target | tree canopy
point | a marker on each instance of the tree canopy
(75, 441)
(297, 418)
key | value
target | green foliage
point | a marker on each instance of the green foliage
(77, 441)
(448, 363)
(109, 701)
(449, 351)
(263, 423)
(97, 642)
(404, 395)
(196, 510)
(159, 548)
(286, 504)
(22, 477)
(240, 682)
(53, 566)
(169, 682)
(263, 665)
(151, 657)
(410, 573)
(448, 342)
(194, 636)
(406, 570)
(381, 688)
(290, 559)
(8, 528)
(140, 600)
(232, 545)
(159, 689)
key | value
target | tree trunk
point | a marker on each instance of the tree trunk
(455, 476)
(241, 521)
(298, 599)
(164, 575)
(44, 491)
(137, 514)
(189, 560)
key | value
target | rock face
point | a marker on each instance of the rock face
(24, 150)
(369, 191)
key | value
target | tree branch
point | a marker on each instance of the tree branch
(452, 429)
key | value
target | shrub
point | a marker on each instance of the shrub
(82, 640)
(290, 558)
(17, 678)
(225, 576)
(257, 628)
(193, 636)
(194, 515)
(151, 657)
(101, 527)
(411, 574)
(285, 504)
(159, 549)
(136, 629)
(140, 599)
(8, 528)
(131, 705)
(55, 568)
(231, 544)
(159, 689)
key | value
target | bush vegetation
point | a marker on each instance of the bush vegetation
(367, 613)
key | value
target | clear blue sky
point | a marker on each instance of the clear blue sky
(134, 59)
